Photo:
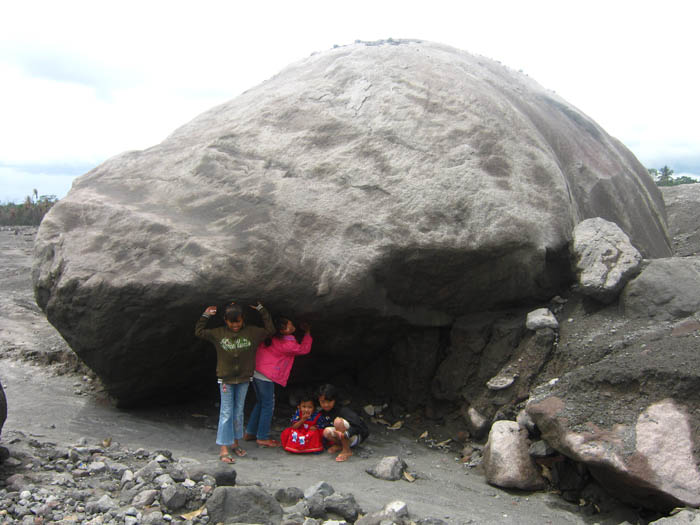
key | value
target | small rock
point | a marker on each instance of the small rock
(322, 488)
(390, 468)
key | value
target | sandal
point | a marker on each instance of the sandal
(239, 452)
(268, 443)
(227, 458)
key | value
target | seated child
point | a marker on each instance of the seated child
(304, 435)
(341, 426)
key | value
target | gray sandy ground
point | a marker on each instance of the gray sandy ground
(47, 406)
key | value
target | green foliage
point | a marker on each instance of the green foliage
(664, 177)
(29, 213)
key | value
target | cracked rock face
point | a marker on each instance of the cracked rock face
(402, 182)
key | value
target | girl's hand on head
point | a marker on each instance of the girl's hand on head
(211, 310)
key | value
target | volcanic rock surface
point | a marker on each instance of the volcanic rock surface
(368, 188)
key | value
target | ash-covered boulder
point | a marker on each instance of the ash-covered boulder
(605, 259)
(682, 204)
(666, 289)
(639, 443)
(395, 182)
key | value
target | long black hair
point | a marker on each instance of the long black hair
(280, 322)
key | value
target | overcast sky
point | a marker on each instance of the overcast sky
(83, 81)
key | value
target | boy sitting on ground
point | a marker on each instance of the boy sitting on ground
(342, 427)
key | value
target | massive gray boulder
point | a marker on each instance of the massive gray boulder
(369, 186)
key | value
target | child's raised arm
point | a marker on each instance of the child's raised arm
(267, 319)
(200, 327)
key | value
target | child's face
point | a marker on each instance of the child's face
(235, 324)
(326, 404)
(306, 408)
(288, 328)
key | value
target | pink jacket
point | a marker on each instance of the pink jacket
(275, 361)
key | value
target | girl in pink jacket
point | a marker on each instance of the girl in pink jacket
(273, 363)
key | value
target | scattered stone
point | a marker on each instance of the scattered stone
(343, 505)
(507, 462)
(500, 382)
(394, 512)
(477, 424)
(322, 488)
(144, 498)
(541, 318)
(244, 505)
(390, 468)
(315, 504)
(289, 496)
(225, 475)
(173, 497)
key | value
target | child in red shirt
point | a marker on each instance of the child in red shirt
(304, 434)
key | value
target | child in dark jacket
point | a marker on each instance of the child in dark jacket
(342, 427)
(235, 344)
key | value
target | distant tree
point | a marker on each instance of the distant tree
(29, 213)
(684, 180)
(664, 177)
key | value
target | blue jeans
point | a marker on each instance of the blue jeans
(261, 417)
(231, 413)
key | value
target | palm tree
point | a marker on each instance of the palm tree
(665, 177)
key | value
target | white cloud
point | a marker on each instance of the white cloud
(84, 80)
(17, 184)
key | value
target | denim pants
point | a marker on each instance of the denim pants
(261, 417)
(231, 412)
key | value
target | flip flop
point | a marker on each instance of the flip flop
(228, 458)
(268, 443)
(239, 452)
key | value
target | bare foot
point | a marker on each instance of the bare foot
(343, 456)
(268, 443)
(334, 448)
